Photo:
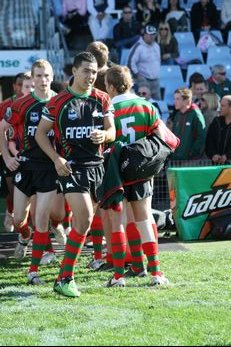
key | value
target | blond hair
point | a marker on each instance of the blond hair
(41, 63)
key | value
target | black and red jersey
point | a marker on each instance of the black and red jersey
(24, 115)
(75, 116)
(5, 104)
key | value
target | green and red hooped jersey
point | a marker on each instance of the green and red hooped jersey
(134, 117)
(24, 116)
(75, 116)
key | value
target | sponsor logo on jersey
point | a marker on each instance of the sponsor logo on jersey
(97, 114)
(69, 185)
(8, 114)
(80, 132)
(72, 115)
(34, 117)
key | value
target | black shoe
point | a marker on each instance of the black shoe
(132, 273)
(106, 267)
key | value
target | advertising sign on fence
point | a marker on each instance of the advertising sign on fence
(197, 195)
(16, 61)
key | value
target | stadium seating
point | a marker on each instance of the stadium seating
(218, 55)
(170, 74)
(185, 39)
(164, 110)
(192, 54)
(124, 56)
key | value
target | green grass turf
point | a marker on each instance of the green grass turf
(195, 309)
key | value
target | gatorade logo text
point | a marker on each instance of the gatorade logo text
(207, 202)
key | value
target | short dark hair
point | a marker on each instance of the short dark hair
(196, 77)
(84, 56)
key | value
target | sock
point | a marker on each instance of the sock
(109, 258)
(151, 252)
(68, 216)
(73, 249)
(54, 223)
(150, 246)
(97, 236)
(135, 245)
(24, 231)
(9, 204)
(49, 248)
(118, 246)
(39, 244)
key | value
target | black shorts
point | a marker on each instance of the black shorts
(139, 191)
(84, 180)
(31, 182)
(4, 169)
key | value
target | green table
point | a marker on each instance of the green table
(195, 194)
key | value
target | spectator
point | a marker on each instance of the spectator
(127, 32)
(209, 105)
(144, 61)
(175, 16)
(198, 85)
(168, 44)
(145, 92)
(204, 16)
(74, 16)
(225, 18)
(100, 20)
(218, 139)
(148, 11)
(218, 82)
(189, 126)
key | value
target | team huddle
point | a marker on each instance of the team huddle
(58, 167)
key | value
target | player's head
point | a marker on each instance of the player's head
(118, 80)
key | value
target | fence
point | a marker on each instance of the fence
(160, 200)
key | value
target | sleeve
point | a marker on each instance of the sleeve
(175, 48)
(110, 7)
(13, 116)
(48, 112)
(199, 134)
(210, 142)
(91, 8)
(133, 59)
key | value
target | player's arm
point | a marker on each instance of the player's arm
(11, 162)
(43, 141)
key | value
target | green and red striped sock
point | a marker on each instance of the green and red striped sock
(97, 236)
(151, 252)
(135, 244)
(67, 222)
(24, 231)
(49, 248)
(73, 249)
(118, 246)
(40, 241)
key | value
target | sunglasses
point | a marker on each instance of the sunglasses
(163, 29)
(221, 73)
(127, 12)
(142, 93)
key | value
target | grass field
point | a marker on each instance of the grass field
(195, 309)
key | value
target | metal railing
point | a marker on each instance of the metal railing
(160, 200)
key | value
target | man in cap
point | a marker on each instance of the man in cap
(145, 60)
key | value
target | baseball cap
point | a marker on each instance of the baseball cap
(150, 29)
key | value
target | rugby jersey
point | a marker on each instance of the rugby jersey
(75, 116)
(134, 117)
(24, 115)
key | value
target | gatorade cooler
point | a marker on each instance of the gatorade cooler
(196, 194)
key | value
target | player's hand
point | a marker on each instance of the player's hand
(12, 163)
(62, 167)
(98, 136)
